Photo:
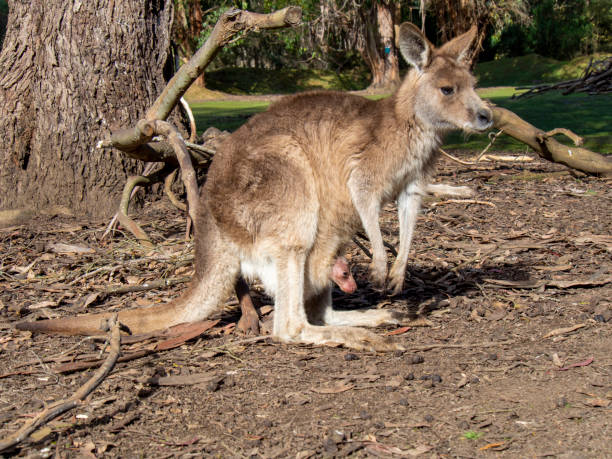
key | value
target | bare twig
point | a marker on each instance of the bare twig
(492, 139)
(57, 408)
(363, 248)
(168, 190)
(454, 158)
(192, 125)
(462, 201)
(208, 152)
(159, 283)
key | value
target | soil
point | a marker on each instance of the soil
(516, 361)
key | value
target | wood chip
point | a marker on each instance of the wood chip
(60, 247)
(398, 331)
(184, 380)
(336, 388)
(563, 331)
(584, 363)
(598, 402)
(191, 331)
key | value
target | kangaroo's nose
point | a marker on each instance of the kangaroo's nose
(484, 117)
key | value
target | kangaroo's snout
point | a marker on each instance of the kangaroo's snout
(484, 119)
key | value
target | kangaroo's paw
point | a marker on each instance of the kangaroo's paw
(396, 279)
(378, 272)
(361, 318)
(405, 319)
(350, 337)
(249, 322)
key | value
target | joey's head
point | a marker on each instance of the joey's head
(441, 87)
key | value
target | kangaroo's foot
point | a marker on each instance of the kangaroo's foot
(349, 337)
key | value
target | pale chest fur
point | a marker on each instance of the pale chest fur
(406, 157)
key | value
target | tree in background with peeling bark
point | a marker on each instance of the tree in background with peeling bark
(186, 30)
(70, 74)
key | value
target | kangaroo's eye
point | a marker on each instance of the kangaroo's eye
(447, 90)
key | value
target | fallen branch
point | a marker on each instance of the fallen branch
(547, 147)
(596, 79)
(57, 408)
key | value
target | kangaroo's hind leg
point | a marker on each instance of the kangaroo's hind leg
(249, 319)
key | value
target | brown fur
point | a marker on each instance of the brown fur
(291, 186)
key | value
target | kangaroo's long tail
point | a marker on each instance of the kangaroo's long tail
(138, 321)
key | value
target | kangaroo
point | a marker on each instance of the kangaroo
(289, 188)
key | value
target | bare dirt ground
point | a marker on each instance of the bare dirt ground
(517, 361)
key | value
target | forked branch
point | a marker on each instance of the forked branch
(137, 142)
(230, 24)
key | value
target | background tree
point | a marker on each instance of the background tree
(377, 44)
(453, 17)
(70, 73)
(187, 29)
(368, 27)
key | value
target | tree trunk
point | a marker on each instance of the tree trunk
(70, 74)
(378, 49)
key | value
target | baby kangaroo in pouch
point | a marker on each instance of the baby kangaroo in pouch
(289, 189)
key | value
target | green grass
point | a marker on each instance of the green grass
(225, 115)
(529, 70)
(588, 116)
(240, 81)
(515, 71)
(471, 435)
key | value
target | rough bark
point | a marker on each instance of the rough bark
(70, 74)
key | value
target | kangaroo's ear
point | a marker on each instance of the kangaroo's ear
(459, 47)
(413, 45)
